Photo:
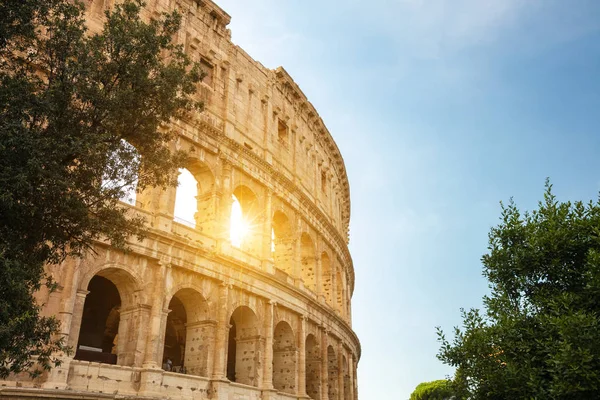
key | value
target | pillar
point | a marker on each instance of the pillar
(324, 369)
(155, 342)
(340, 372)
(77, 314)
(318, 274)
(224, 206)
(198, 347)
(132, 338)
(297, 267)
(301, 356)
(268, 358)
(220, 350)
(351, 373)
(267, 226)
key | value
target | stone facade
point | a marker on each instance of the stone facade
(187, 315)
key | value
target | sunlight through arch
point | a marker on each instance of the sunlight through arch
(186, 202)
(238, 226)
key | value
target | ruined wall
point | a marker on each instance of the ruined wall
(269, 318)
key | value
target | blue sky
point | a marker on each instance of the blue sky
(441, 109)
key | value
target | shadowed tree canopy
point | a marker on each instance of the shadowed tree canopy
(539, 337)
(82, 117)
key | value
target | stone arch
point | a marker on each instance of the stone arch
(188, 334)
(110, 319)
(123, 276)
(285, 356)
(250, 210)
(327, 278)
(313, 367)
(332, 374)
(243, 351)
(308, 262)
(195, 198)
(282, 242)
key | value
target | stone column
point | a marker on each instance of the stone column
(354, 385)
(301, 356)
(77, 314)
(69, 302)
(165, 207)
(324, 366)
(152, 355)
(334, 299)
(267, 226)
(268, 333)
(222, 335)
(340, 367)
(131, 342)
(297, 263)
(351, 373)
(199, 340)
(225, 201)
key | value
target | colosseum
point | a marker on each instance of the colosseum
(242, 287)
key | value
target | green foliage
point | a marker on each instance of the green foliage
(72, 104)
(539, 337)
(435, 390)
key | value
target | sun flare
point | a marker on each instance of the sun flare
(239, 227)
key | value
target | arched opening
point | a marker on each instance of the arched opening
(332, 374)
(174, 349)
(121, 172)
(186, 202)
(346, 378)
(327, 278)
(231, 351)
(282, 242)
(188, 332)
(284, 359)
(243, 347)
(313, 368)
(308, 262)
(99, 323)
(244, 228)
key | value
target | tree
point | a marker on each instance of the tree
(435, 390)
(539, 335)
(82, 118)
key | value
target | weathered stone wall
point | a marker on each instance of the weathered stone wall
(273, 314)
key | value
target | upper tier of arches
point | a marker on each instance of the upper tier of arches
(262, 110)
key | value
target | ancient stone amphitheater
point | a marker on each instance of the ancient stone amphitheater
(196, 311)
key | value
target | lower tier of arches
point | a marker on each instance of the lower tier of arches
(126, 321)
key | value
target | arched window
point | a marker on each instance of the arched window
(238, 226)
(186, 203)
(243, 347)
(244, 230)
(187, 334)
(99, 323)
(103, 330)
(121, 172)
(284, 359)
(282, 242)
(308, 262)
